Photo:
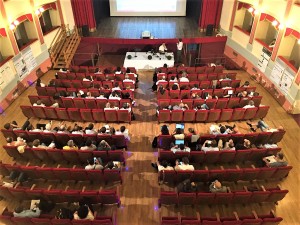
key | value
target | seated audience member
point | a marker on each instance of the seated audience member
(77, 129)
(88, 78)
(113, 165)
(216, 186)
(39, 83)
(123, 131)
(180, 148)
(83, 213)
(126, 106)
(118, 70)
(228, 145)
(102, 131)
(48, 128)
(246, 84)
(173, 78)
(45, 205)
(175, 87)
(178, 134)
(242, 94)
(94, 164)
(164, 130)
(127, 79)
(70, 146)
(116, 87)
(101, 96)
(55, 104)
(194, 136)
(195, 87)
(19, 142)
(246, 145)
(89, 145)
(195, 96)
(187, 186)
(184, 165)
(202, 107)
(181, 106)
(98, 71)
(210, 145)
(184, 78)
(115, 95)
(64, 70)
(163, 79)
(103, 146)
(272, 43)
(90, 129)
(26, 213)
(37, 144)
(249, 105)
(89, 95)
(39, 103)
(112, 131)
(275, 161)
(263, 126)
(134, 74)
(163, 165)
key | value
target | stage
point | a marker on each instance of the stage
(140, 60)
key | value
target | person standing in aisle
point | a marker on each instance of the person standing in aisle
(179, 45)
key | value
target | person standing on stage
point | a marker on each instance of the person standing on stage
(163, 48)
(179, 50)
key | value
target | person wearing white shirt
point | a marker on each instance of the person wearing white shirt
(123, 131)
(184, 165)
(179, 51)
(180, 148)
(210, 145)
(250, 105)
(184, 78)
(127, 79)
(163, 79)
(162, 48)
(114, 95)
(116, 87)
(39, 103)
(126, 106)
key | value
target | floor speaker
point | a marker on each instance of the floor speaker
(85, 31)
(209, 30)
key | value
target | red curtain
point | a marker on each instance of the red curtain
(210, 13)
(84, 13)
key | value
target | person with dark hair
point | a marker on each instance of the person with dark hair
(39, 83)
(275, 161)
(113, 165)
(246, 84)
(89, 145)
(180, 148)
(187, 186)
(94, 164)
(210, 145)
(164, 130)
(83, 213)
(184, 165)
(163, 165)
(179, 46)
(90, 129)
(118, 70)
(102, 130)
(243, 146)
(19, 142)
(123, 131)
(14, 125)
(178, 134)
(116, 87)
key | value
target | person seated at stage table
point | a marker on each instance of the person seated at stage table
(162, 48)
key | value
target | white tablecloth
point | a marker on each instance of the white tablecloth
(141, 60)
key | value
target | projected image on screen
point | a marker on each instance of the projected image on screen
(147, 7)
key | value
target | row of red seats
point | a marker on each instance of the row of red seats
(81, 103)
(231, 197)
(47, 219)
(75, 114)
(51, 91)
(198, 69)
(205, 84)
(227, 174)
(259, 138)
(89, 84)
(212, 115)
(199, 76)
(220, 103)
(96, 77)
(254, 219)
(223, 156)
(62, 174)
(102, 197)
(59, 155)
(62, 138)
(92, 69)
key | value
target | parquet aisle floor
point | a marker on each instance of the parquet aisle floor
(140, 190)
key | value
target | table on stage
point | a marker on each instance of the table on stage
(141, 60)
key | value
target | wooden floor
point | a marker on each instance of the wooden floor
(159, 27)
(140, 190)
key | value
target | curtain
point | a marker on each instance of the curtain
(84, 13)
(210, 13)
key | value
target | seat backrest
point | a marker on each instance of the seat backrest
(164, 115)
(124, 115)
(86, 115)
(189, 115)
(213, 115)
(250, 113)
(201, 115)
(74, 114)
(62, 114)
(177, 115)
(111, 115)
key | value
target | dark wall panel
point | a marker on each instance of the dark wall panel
(101, 9)
(193, 9)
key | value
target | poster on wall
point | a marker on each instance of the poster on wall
(263, 60)
(20, 66)
(29, 59)
(277, 73)
(286, 81)
(6, 75)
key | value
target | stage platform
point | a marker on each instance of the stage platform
(140, 60)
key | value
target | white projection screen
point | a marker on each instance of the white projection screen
(147, 7)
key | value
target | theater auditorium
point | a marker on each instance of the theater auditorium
(149, 112)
